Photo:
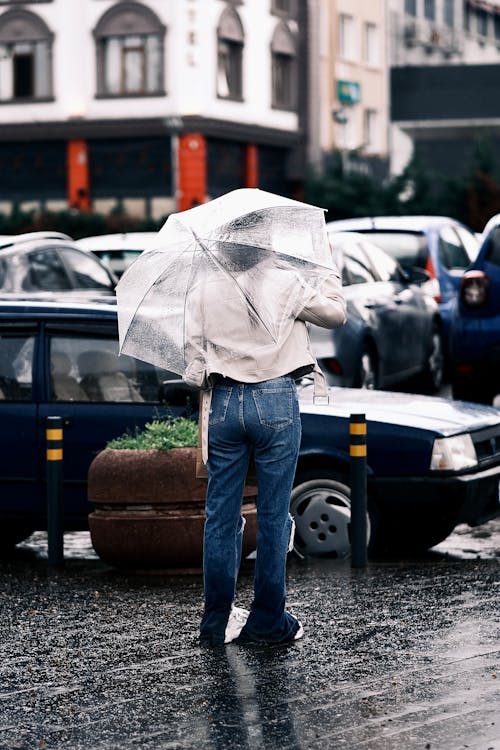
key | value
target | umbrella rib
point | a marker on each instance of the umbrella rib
(241, 291)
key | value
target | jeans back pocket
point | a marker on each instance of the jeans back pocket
(274, 407)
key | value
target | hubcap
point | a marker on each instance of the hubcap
(323, 521)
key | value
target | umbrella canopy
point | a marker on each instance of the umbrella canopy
(227, 275)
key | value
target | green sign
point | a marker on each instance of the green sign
(348, 92)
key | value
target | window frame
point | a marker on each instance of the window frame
(230, 45)
(26, 32)
(283, 69)
(113, 28)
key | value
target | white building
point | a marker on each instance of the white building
(152, 105)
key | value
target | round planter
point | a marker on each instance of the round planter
(150, 509)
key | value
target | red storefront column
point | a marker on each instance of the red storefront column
(192, 165)
(78, 175)
(251, 166)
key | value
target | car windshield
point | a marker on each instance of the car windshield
(408, 248)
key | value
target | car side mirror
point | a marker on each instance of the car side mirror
(415, 275)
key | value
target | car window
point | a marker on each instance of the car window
(385, 266)
(357, 265)
(408, 248)
(493, 249)
(45, 272)
(88, 273)
(451, 251)
(469, 241)
(90, 369)
(16, 367)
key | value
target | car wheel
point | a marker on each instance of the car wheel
(367, 376)
(433, 372)
(321, 509)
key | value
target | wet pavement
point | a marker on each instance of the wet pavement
(398, 656)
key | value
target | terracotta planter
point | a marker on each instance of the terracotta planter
(149, 509)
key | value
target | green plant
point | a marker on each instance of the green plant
(161, 435)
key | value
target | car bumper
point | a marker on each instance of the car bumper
(465, 498)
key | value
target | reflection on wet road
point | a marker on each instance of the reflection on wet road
(404, 654)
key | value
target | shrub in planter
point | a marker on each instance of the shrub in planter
(149, 504)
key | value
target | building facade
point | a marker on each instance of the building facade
(150, 106)
(349, 86)
(445, 69)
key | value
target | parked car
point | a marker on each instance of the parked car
(393, 329)
(440, 245)
(50, 262)
(475, 324)
(432, 463)
(118, 251)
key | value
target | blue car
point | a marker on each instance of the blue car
(475, 324)
(439, 245)
(432, 463)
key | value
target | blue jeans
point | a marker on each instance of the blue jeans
(260, 420)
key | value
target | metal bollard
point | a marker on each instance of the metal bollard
(55, 536)
(357, 452)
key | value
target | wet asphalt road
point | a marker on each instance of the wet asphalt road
(398, 656)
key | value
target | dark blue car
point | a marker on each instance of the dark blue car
(432, 463)
(393, 330)
(475, 325)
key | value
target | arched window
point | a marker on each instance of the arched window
(129, 43)
(284, 68)
(230, 40)
(25, 57)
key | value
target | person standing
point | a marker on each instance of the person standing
(253, 412)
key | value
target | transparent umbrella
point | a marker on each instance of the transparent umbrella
(227, 276)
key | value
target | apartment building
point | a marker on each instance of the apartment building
(445, 69)
(149, 105)
(348, 102)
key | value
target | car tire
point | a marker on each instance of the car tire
(367, 371)
(432, 376)
(321, 508)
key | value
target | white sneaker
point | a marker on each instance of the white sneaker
(300, 632)
(237, 619)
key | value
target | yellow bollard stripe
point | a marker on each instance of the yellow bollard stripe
(357, 450)
(357, 428)
(54, 454)
(52, 434)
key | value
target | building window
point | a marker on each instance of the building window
(283, 66)
(230, 42)
(481, 22)
(370, 125)
(411, 7)
(449, 13)
(347, 44)
(496, 19)
(129, 43)
(430, 9)
(25, 57)
(371, 44)
(467, 15)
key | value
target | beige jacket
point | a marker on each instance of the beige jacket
(257, 362)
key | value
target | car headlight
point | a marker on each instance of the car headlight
(453, 453)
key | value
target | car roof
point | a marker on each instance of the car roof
(29, 244)
(120, 241)
(12, 240)
(419, 223)
(33, 308)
